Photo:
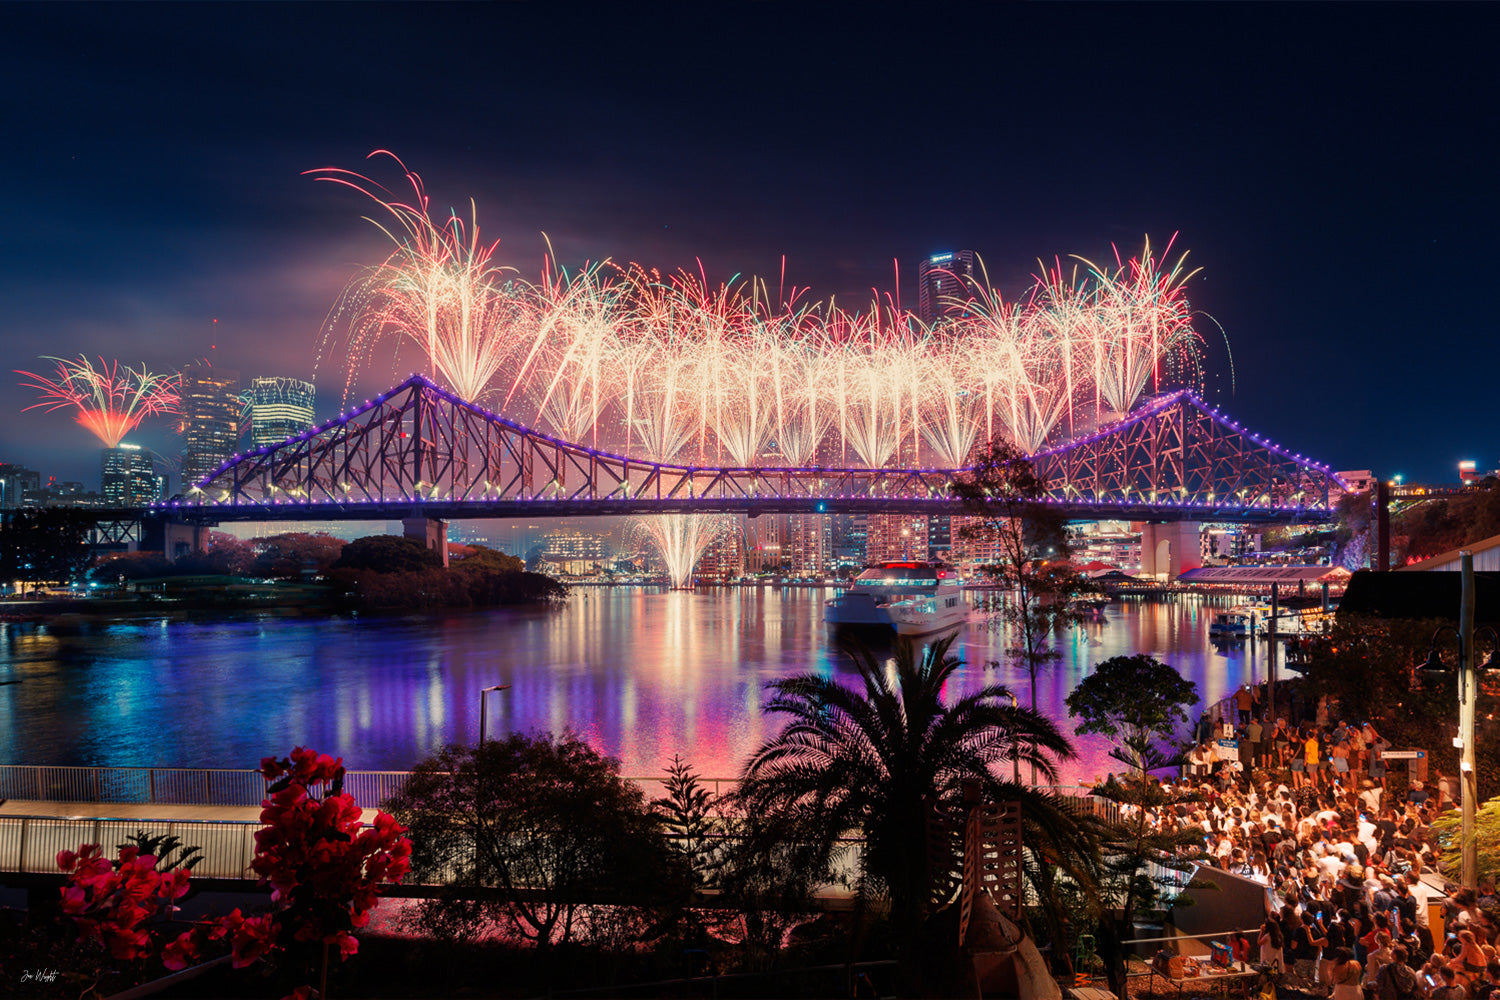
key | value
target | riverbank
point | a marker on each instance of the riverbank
(346, 592)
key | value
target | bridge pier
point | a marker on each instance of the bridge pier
(430, 531)
(173, 539)
(1169, 550)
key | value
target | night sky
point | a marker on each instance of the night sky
(1331, 168)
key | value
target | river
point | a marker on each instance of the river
(642, 674)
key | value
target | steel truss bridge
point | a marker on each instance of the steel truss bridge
(420, 451)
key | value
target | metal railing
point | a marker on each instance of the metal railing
(190, 786)
(31, 843)
(196, 786)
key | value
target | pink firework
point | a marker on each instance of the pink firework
(111, 400)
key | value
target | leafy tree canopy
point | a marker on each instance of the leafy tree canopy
(295, 553)
(388, 554)
(481, 559)
(1448, 827)
(548, 823)
(1133, 699)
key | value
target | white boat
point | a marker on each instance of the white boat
(1232, 624)
(913, 598)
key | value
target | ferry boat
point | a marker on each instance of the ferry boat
(913, 598)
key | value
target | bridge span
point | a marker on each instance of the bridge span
(418, 451)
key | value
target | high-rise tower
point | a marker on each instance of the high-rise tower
(277, 408)
(210, 419)
(128, 477)
(941, 279)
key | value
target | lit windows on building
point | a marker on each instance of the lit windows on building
(277, 408)
(896, 536)
(941, 282)
(128, 477)
(210, 419)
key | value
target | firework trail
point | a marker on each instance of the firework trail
(1143, 319)
(111, 400)
(440, 288)
(672, 368)
(682, 538)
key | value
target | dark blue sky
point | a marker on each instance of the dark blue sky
(1331, 168)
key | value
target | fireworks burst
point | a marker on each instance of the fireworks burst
(111, 400)
(439, 289)
(672, 368)
(682, 538)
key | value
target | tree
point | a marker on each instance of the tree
(1005, 498)
(295, 554)
(47, 545)
(236, 557)
(870, 761)
(1448, 828)
(548, 825)
(388, 554)
(1138, 702)
(480, 559)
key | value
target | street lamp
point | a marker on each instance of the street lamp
(1015, 758)
(1468, 691)
(483, 703)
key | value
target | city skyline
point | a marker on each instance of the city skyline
(1327, 190)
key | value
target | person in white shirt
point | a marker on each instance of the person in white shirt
(1370, 797)
(1365, 833)
(1329, 867)
(1421, 892)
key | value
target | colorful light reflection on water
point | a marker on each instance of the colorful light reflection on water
(642, 674)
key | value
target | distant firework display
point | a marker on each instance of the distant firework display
(670, 367)
(111, 400)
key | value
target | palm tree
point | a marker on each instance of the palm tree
(870, 761)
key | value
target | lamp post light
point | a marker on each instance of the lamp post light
(1468, 693)
(1015, 758)
(483, 706)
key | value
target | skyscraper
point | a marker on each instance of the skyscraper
(210, 419)
(128, 477)
(810, 543)
(896, 536)
(277, 408)
(16, 482)
(941, 279)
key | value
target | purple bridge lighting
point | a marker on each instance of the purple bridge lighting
(420, 451)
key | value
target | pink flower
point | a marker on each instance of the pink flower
(253, 939)
(175, 884)
(179, 954)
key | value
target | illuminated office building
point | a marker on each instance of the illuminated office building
(210, 419)
(277, 408)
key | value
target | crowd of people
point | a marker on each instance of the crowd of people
(1308, 811)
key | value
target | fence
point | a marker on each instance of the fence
(31, 843)
(186, 786)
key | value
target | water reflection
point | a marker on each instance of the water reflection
(643, 675)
